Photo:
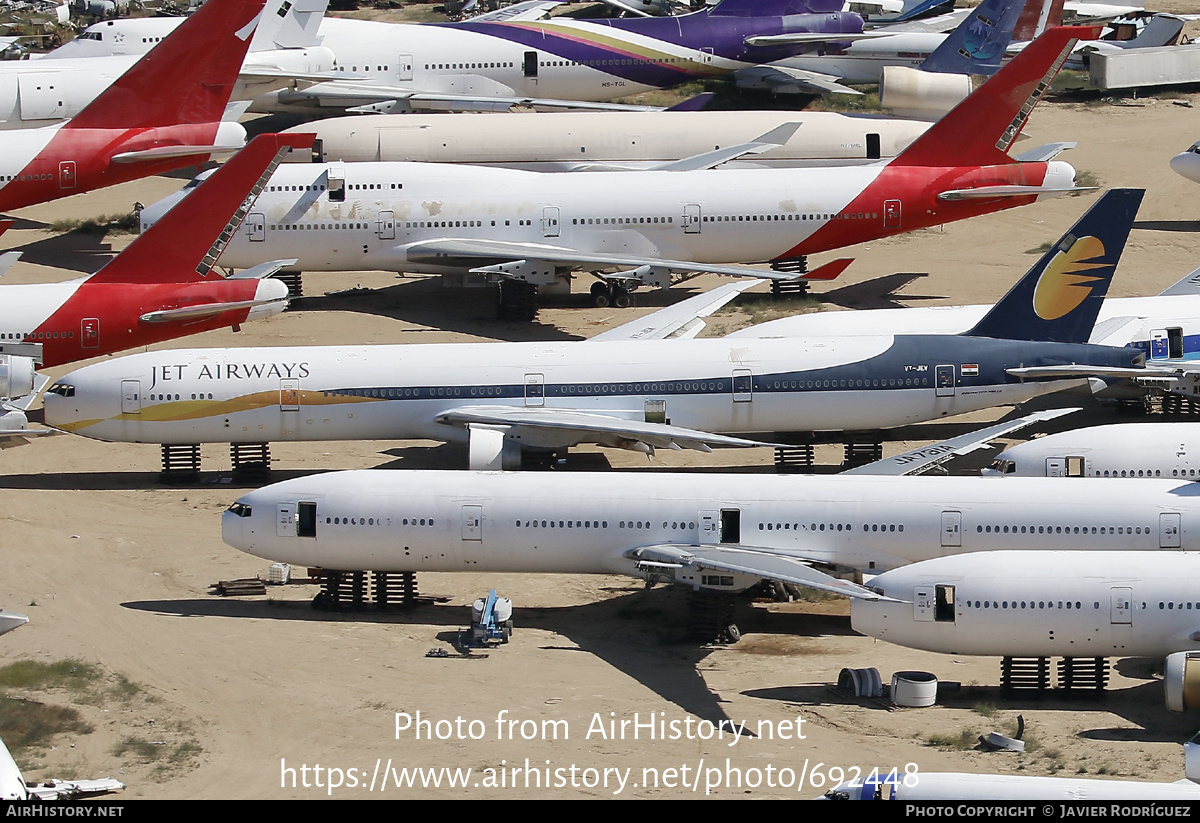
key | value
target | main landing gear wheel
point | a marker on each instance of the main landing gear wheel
(605, 295)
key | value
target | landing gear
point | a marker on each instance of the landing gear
(518, 301)
(604, 295)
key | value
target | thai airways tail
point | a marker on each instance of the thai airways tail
(187, 78)
(977, 45)
(1059, 298)
(183, 246)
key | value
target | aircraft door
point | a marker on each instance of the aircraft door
(131, 397)
(924, 604)
(66, 174)
(943, 379)
(706, 56)
(1121, 608)
(89, 332)
(891, 214)
(335, 182)
(1158, 344)
(256, 227)
(743, 386)
(710, 531)
(951, 529)
(289, 406)
(1056, 467)
(472, 523)
(531, 64)
(1169, 536)
(404, 67)
(535, 390)
(550, 221)
(385, 226)
(692, 218)
(731, 525)
(285, 522)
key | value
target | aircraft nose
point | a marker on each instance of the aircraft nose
(237, 526)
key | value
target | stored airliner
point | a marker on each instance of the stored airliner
(1056, 603)
(162, 286)
(164, 113)
(530, 231)
(508, 398)
(1117, 450)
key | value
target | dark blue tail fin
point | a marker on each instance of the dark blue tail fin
(1059, 298)
(774, 8)
(977, 45)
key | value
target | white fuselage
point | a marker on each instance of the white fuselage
(567, 140)
(390, 209)
(399, 391)
(585, 523)
(1118, 450)
(1042, 604)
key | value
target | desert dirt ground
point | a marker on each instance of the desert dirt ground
(220, 698)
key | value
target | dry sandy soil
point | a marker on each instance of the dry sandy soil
(229, 695)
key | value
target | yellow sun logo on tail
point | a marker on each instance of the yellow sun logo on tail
(1062, 286)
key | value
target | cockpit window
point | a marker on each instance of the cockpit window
(1004, 466)
(239, 510)
(62, 389)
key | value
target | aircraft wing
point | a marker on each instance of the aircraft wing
(775, 138)
(590, 427)
(766, 563)
(680, 321)
(375, 98)
(1116, 331)
(496, 252)
(781, 78)
(11, 620)
(529, 10)
(66, 789)
(1187, 285)
(918, 460)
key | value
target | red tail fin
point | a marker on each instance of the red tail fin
(979, 130)
(187, 78)
(1031, 23)
(185, 243)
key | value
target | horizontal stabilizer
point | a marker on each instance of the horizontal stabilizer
(1044, 154)
(678, 321)
(517, 12)
(203, 310)
(763, 563)
(694, 103)
(916, 461)
(988, 192)
(169, 152)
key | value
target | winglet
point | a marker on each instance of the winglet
(187, 78)
(184, 244)
(979, 130)
(1059, 298)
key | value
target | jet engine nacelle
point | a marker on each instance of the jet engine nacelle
(1181, 679)
(16, 376)
(921, 95)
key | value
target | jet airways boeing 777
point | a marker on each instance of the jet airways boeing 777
(508, 398)
(531, 231)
